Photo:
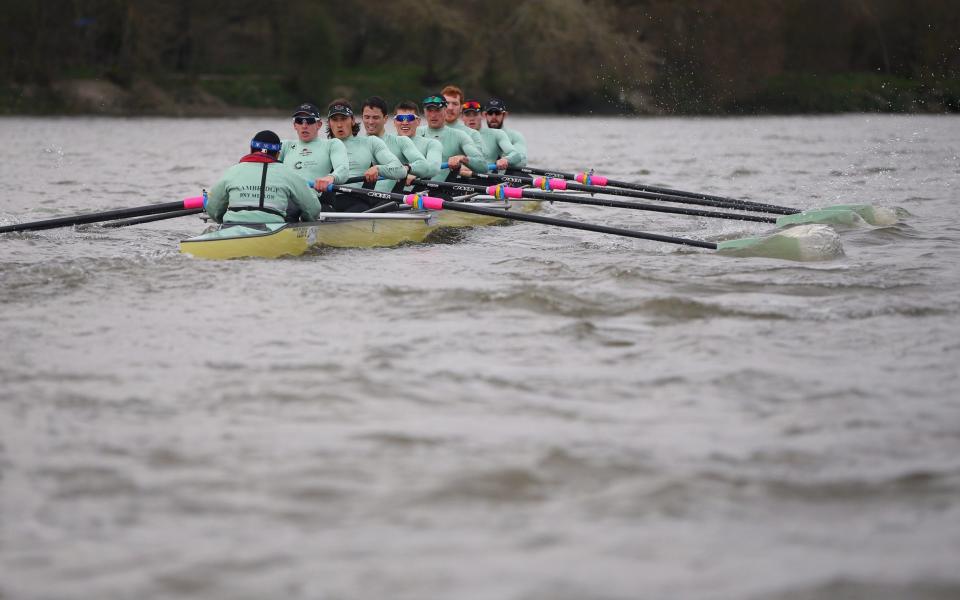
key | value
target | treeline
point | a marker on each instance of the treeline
(648, 56)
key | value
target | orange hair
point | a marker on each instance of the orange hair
(452, 90)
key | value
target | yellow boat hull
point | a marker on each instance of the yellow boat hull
(274, 240)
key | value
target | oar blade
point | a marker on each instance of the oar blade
(823, 216)
(801, 243)
(881, 216)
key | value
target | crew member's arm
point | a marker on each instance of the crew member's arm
(340, 161)
(434, 155)
(387, 164)
(217, 200)
(475, 166)
(507, 151)
(473, 151)
(417, 161)
(520, 144)
(303, 196)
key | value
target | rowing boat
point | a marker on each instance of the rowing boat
(273, 240)
(337, 230)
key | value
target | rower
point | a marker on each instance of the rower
(422, 156)
(457, 147)
(495, 113)
(454, 98)
(261, 189)
(322, 161)
(369, 156)
(496, 145)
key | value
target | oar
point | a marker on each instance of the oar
(875, 215)
(806, 242)
(599, 180)
(830, 217)
(152, 218)
(545, 183)
(374, 194)
(108, 215)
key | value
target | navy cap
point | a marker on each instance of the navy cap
(307, 110)
(340, 109)
(495, 105)
(266, 140)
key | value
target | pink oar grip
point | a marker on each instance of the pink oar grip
(418, 201)
(591, 179)
(504, 191)
(549, 184)
(195, 202)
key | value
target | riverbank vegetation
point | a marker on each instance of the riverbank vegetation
(208, 57)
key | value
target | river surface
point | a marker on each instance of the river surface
(514, 412)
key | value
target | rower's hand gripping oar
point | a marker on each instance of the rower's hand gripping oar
(874, 215)
(805, 242)
(196, 202)
(413, 200)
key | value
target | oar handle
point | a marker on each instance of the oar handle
(417, 201)
(490, 166)
(108, 215)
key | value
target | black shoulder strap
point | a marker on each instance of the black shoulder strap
(263, 183)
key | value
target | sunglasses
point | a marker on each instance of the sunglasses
(407, 118)
(494, 112)
(302, 120)
(471, 106)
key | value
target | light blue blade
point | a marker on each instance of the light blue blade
(803, 243)
(824, 216)
(875, 215)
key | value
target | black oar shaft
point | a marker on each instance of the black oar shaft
(346, 189)
(553, 196)
(108, 215)
(506, 214)
(648, 207)
(760, 206)
(595, 189)
(152, 218)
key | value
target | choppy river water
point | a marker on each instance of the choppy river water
(518, 413)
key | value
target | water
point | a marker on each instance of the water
(520, 413)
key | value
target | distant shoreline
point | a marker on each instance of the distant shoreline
(788, 95)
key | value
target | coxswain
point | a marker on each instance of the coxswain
(496, 145)
(261, 189)
(495, 112)
(368, 155)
